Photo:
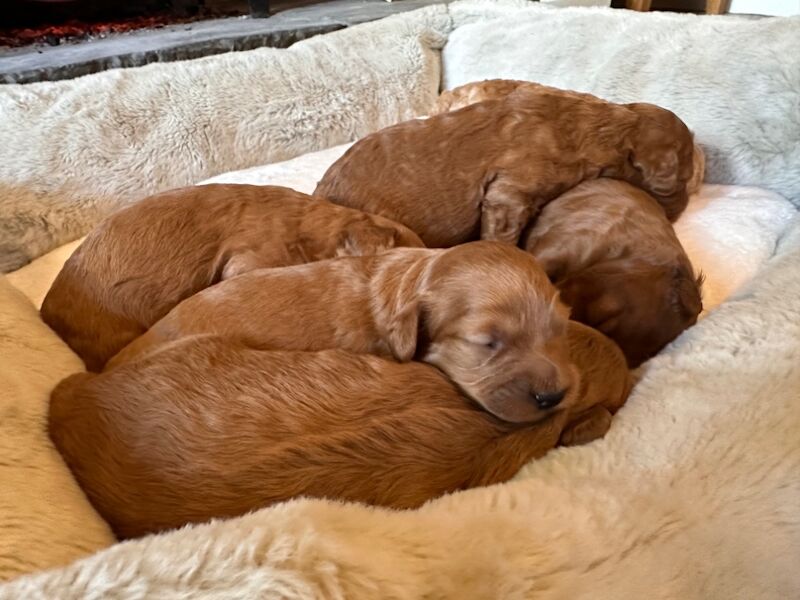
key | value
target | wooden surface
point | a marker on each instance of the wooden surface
(712, 7)
(717, 7)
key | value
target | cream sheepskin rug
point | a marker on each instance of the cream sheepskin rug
(45, 519)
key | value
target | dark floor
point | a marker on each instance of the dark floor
(192, 40)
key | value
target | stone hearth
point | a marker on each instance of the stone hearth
(191, 40)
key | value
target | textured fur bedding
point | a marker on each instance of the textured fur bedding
(693, 494)
(45, 520)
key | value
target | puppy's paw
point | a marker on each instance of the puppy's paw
(589, 425)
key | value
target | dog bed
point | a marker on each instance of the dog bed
(694, 492)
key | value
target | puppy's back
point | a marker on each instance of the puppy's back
(478, 91)
(144, 260)
(141, 261)
(206, 428)
(497, 89)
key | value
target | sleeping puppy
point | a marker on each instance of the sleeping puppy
(492, 89)
(155, 446)
(618, 264)
(484, 313)
(485, 170)
(143, 260)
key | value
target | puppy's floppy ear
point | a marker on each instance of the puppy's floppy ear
(686, 293)
(590, 301)
(403, 331)
(398, 298)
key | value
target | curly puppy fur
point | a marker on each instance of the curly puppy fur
(485, 170)
(492, 89)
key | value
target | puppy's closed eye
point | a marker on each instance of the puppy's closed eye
(489, 341)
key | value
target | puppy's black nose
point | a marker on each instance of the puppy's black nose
(548, 400)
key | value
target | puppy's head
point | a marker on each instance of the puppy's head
(489, 318)
(365, 234)
(661, 156)
(641, 307)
